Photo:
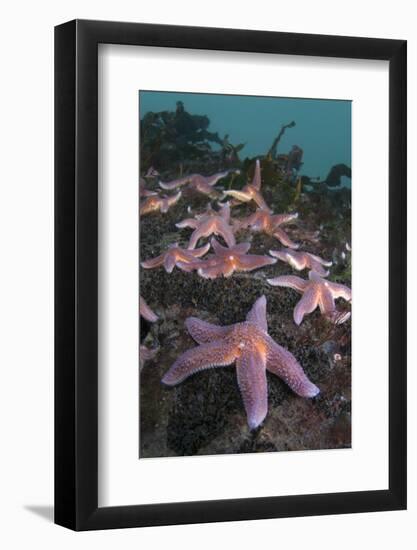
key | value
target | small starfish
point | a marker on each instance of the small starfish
(156, 202)
(174, 256)
(249, 345)
(146, 311)
(227, 260)
(268, 223)
(302, 260)
(251, 191)
(203, 184)
(209, 223)
(316, 292)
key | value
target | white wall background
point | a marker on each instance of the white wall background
(26, 286)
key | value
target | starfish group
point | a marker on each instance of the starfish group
(247, 343)
(202, 184)
(251, 348)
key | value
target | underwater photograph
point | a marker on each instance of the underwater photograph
(245, 274)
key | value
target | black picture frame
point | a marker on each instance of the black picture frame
(76, 272)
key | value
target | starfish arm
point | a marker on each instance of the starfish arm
(251, 378)
(169, 261)
(212, 180)
(297, 261)
(280, 219)
(256, 182)
(319, 260)
(260, 201)
(289, 281)
(283, 364)
(170, 201)
(214, 354)
(204, 187)
(240, 195)
(280, 234)
(146, 311)
(203, 332)
(317, 267)
(189, 222)
(153, 262)
(326, 301)
(189, 266)
(225, 230)
(197, 253)
(340, 291)
(248, 262)
(242, 248)
(195, 236)
(169, 185)
(257, 314)
(307, 304)
(219, 249)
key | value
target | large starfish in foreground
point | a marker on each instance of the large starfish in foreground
(251, 191)
(155, 202)
(302, 260)
(227, 260)
(203, 184)
(249, 345)
(265, 222)
(209, 223)
(316, 291)
(175, 255)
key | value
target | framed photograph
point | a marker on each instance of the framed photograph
(230, 275)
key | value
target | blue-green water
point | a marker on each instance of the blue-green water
(323, 127)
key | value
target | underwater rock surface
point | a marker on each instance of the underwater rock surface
(205, 413)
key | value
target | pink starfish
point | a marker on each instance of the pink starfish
(251, 191)
(209, 223)
(174, 256)
(249, 345)
(316, 292)
(264, 221)
(155, 203)
(203, 184)
(302, 260)
(146, 311)
(227, 260)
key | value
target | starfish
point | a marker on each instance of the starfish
(227, 260)
(249, 345)
(251, 191)
(302, 260)
(146, 311)
(156, 202)
(174, 256)
(203, 184)
(209, 223)
(268, 223)
(316, 291)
